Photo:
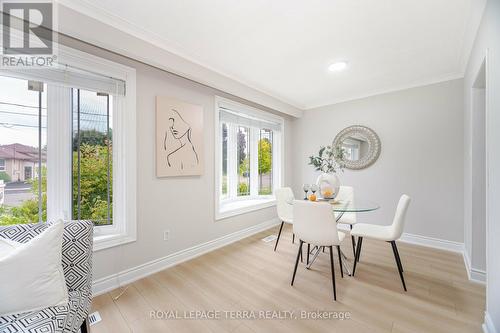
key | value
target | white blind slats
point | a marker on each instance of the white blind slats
(248, 120)
(71, 77)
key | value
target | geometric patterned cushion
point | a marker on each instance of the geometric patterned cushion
(61, 319)
(77, 266)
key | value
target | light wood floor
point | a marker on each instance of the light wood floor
(248, 275)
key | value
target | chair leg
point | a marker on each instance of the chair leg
(340, 262)
(399, 258)
(308, 253)
(358, 252)
(333, 274)
(398, 263)
(299, 254)
(279, 234)
(84, 327)
(293, 238)
(353, 243)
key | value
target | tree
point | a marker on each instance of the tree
(265, 159)
(265, 156)
(242, 144)
(91, 137)
(93, 182)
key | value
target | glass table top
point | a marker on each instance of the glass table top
(353, 206)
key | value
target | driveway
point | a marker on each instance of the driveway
(16, 193)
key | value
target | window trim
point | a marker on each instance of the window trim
(245, 204)
(124, 228)
(4, 166)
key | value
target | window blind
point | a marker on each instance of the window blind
(247, 118)
(67, 76)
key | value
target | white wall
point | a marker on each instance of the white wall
(487, 40)
(183, 205)
(421, 131)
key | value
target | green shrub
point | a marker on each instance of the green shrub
(4, 176)
(243, 189)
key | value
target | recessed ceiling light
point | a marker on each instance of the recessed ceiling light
(337, 66)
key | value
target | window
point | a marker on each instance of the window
(92, 157)
(23, 148)
(248, 158)
(62, 130)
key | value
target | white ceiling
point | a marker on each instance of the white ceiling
(283, 47)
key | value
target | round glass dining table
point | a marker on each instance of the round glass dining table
(340, 207)
(357, 205)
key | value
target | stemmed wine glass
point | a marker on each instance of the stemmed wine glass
(306, 188)
(314, 188)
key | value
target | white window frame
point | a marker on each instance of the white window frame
(59, 155)
(3, 166)
(234, 205)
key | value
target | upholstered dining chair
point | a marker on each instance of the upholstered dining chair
(346, 193)
(284, 205)
(314, 223)
(389, 233)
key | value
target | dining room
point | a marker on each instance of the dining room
(249, 166)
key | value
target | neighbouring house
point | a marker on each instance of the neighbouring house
(20, 162)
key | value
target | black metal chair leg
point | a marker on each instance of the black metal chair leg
(358, 251)
(340, 262)
(84, 327)
(353, 240)
(293, 238)
(279, 234)
(333, 274)
(308, 253)
(301, 257)
(299, 253)
(398, 263)
(399, 258)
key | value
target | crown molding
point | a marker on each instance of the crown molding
(272, 100)
(417, 84)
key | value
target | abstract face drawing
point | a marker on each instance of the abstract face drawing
(178, 143)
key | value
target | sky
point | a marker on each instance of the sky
(25, 112)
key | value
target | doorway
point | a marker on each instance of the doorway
(479, 174)
(28, 173)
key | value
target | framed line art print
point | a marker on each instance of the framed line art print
(179, 138)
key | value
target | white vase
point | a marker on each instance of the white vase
(329, 185)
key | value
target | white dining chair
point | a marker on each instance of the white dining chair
(314, 223)
(284, 205)
(346, 193)
(389, 233)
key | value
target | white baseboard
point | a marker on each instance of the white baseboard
(436, 243)
(127, 276)
(488, 326)
(475, 275)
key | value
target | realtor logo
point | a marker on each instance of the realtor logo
(27, 34)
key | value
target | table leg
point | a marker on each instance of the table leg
(318, 250)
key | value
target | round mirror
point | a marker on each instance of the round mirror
(361, 146)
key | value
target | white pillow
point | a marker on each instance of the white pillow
(31, 274)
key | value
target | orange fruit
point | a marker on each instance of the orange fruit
(312, 197)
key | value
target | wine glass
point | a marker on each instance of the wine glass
(314, 188)
(306, 188)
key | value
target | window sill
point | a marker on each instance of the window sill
(238, 207)
(102, 242)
